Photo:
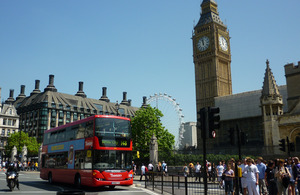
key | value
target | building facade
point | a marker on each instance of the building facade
(9, 121)
(42, 110)
(190, 135)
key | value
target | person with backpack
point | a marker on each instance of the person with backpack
(143, 172)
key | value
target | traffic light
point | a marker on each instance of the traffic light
(138, 154)
(213, 121)
(244, 138)
(282, 145)
(292, 147)
(231, 136)
(201, 122)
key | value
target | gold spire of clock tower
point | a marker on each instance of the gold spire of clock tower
(212, 58)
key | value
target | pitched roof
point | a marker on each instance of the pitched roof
(244, 105)
(209, 15)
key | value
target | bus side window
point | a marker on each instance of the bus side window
(53, 138)
(62, 135)
(75, 131)
(69, 134)
(46, 138)
(89, 129)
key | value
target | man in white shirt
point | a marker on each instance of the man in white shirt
(197, 170)
(220, 170)
(252, 177)
(150, 167)
(143, 172)
(244, 166)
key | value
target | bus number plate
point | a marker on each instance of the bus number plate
(115, 182)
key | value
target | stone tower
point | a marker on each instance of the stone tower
(212, 58)
(272, 108)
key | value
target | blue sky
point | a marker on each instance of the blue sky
(142, 47)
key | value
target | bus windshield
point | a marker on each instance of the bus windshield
(109, 127)
(111, 159)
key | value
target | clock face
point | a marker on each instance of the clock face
(223, 43)
(203, 43)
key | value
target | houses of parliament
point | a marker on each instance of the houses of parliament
(265, 115)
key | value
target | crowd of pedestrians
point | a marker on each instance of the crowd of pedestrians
(25, 166)
(256, 176)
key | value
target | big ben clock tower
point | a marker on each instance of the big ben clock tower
(211, 49)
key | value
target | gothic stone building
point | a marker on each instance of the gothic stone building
(265, 115)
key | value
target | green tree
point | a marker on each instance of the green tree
(146, 123)
(19, 139)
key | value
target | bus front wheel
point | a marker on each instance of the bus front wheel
(77, 181)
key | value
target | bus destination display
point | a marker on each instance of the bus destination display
(114, 143)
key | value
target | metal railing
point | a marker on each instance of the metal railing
(178, 184)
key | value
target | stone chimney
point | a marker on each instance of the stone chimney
(144, 105)
(11, 99)
(51, 86)
(22, 93)
(104, 96)
(37, 88)
(129, 102)
(80, 91)
(124, 101)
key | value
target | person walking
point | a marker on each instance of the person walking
(229, 175)
(143, 172)
(150, 171)
(290, 166)
(150, 166)
(252, 177)
(220, 170)
(296, 172)
(133, 168)
(262, 169)
(185, 170)
(197, 171)
(163, 166)
(282, 174)
(244, 166)
(270, 178)
(191, 168)
(209, 171)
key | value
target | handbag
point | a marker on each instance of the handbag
(286, 180)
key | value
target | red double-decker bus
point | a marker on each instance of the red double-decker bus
(95, 151)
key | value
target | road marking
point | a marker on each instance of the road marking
(145, 190)
(30, 192)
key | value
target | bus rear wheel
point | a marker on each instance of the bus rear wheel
(77, 181)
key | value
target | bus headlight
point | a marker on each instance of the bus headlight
(130, 175)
